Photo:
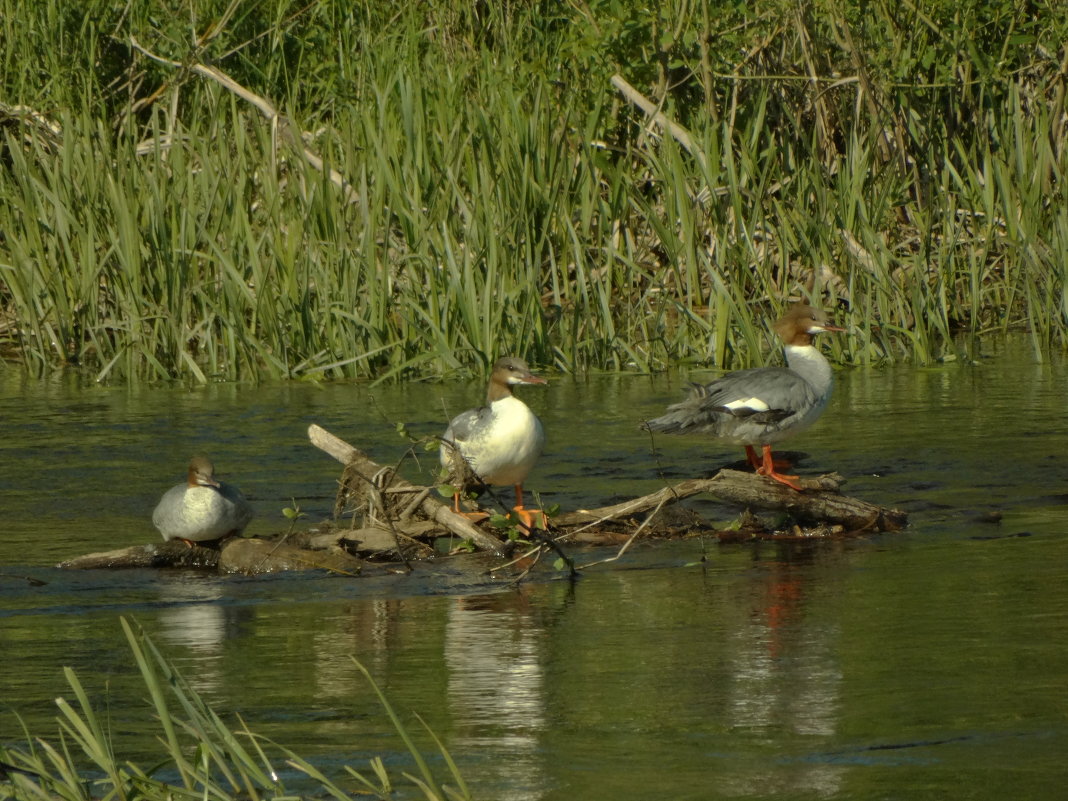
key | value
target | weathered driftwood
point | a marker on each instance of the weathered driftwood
(819, 504)
(401, 521)
(429, 503)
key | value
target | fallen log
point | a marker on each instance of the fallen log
(402, 521)
(819, 504)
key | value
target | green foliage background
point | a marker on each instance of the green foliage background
(903, 163)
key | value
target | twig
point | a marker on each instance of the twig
(373, 483)
(431, 506)
(537, 558)
(278, 120)
(271, 552)
(626, 544)
(681, 135)
(490, 571)
(551, 543)
(415, 504)
(609, 513)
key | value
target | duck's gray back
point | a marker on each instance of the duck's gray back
(201, 513)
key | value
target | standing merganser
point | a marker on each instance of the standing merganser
(762, 405)
(500, 441)
(203, 508)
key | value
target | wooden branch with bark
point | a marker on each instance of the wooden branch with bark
(357, 461)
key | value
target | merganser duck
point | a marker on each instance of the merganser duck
(203, 508)
(762, 405)
(501, 441)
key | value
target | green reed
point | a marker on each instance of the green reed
(203, 756)
(509, 199)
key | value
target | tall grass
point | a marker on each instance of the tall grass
(907, 169)
(202, 756)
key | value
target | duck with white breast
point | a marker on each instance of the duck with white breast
(203, 508)
(501, 441)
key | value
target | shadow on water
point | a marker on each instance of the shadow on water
(905, 665)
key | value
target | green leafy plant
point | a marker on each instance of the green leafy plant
(210, 759)
(292, 514)
(487, 189)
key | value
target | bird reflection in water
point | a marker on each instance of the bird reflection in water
(786, 677)
(496, 690)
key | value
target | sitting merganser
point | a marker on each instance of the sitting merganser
(500, 441)
(203, 508)
(762, 405)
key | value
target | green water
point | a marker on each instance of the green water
(931, 663)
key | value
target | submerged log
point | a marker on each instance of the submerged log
(248, 556)
(402, 521)
(165, 554)
(253, 556)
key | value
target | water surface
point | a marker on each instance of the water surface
(929, 663)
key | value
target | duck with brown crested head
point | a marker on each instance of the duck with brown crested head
(203, 508)
(762, 405)
(501, 441)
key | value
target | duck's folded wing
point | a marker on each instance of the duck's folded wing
(762, 394)
(464, 425)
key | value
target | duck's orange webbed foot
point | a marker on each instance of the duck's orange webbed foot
(531, 518)
(790, 481)
(474, 517)
(768, 469)
(754, 461)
